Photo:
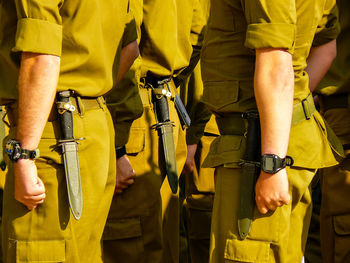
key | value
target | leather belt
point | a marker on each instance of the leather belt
(82, 104)
(234, 124)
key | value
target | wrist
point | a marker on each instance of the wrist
(17, 152)
(120, 151)
(21, 162)
(272, 163)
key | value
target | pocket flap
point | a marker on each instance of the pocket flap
(247, 250)
(136, 143)
(342, 225)
(122, 228)
(225, 150)
(40, 251)
(213, 94)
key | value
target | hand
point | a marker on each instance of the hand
(189, 164)
(272, 191)
(125, 174)
(29, 189)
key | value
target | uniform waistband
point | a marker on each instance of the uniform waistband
(146, 84)
(81, 105)
(335, 101)
(234, 124)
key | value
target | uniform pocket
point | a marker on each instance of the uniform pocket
(49, 251)
(122, 228)
(225, 150)
(136, 143)
(247, 251)
(221, 95)
(341, 246)
(342, 225)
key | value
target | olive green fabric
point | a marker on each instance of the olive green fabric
(199, 185)
(234, 80)
(143, 221)
(337, 80)
(123, 100)
(199, 202)
(329, 27)
(87, 47)
(182, 19)
(49, 233)
(168, 38)
(313, 245)
(274, 237)
(191, 93)
(335, 209)
(228, 71)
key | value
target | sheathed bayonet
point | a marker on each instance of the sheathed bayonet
(250, 172)
(70, 153)
(167, 153)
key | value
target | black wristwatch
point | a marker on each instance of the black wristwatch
(120, 151)
(271, 163)
(15, 152)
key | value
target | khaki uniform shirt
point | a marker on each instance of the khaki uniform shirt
(191, 92)
(166, 48)
(236, 28)
(337, 80)
(87, 44)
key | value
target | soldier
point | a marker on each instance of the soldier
(55, 47)
(143, 223)
(199, 182)
(321, 56)
(333, 94)
(247, 63)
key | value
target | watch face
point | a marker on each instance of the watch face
(269, 164)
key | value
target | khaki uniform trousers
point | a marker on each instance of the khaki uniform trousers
(3, 132)
(274, 237)
(143, 223)
(50, 233)
(335, 207)
(199, 203)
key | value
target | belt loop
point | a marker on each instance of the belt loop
(101, 102)
(306, 109)
(81, 107)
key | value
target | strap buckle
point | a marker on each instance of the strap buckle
(306, 109)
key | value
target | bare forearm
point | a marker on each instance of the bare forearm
(128, 54)
(37, 85)
(319, 61)
(274, 89)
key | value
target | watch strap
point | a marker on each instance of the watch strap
(15, 152)
(120, 151)
(271, 163)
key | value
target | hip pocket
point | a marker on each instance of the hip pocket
(221, 95)
(48, 251)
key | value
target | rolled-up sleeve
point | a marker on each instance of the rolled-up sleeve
(270, 24)
(39, 27)
(329, 26)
